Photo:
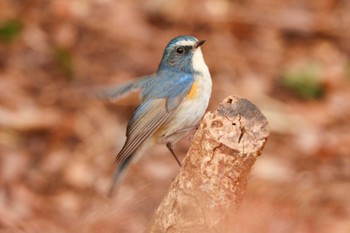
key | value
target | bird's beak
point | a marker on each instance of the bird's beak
(198, 43)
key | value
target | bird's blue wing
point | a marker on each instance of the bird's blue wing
(159, 104)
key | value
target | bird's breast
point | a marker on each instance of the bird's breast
(188, 113)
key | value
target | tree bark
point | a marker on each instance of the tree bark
(206, 194)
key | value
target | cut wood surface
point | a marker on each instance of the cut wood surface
(205, 195)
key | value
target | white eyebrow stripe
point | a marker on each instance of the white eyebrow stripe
(185, 43)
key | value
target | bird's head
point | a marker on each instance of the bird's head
(183, 53)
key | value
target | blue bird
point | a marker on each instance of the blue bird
(173, 100)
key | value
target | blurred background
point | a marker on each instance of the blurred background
(291, 58)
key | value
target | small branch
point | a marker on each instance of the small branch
(206, 194)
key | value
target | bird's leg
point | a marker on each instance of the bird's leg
(171, 147)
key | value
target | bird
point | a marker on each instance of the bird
(173, 100)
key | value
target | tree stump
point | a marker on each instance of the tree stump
(205, 195)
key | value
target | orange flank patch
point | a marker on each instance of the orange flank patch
(193, 91)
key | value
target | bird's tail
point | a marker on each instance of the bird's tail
(117, 92)
(119, 174)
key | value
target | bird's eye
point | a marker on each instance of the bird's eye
(180, 50)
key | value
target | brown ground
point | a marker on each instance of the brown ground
(291, 58)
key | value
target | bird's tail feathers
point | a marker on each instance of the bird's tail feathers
(120, 170)
(119, 174)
